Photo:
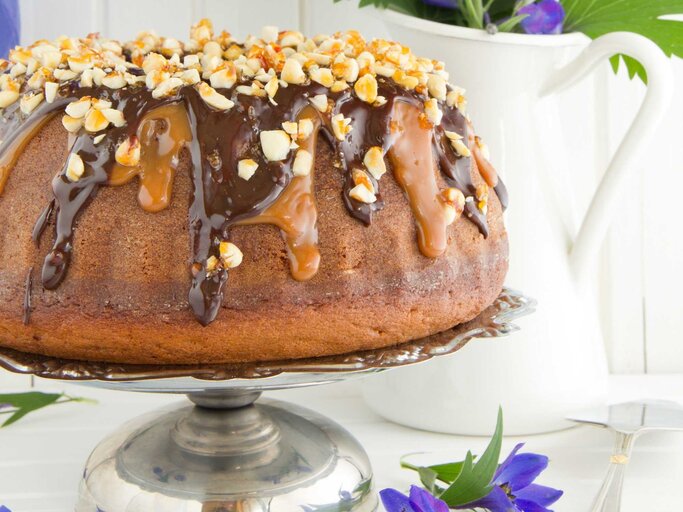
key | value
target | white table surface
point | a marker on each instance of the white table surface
(41, 457)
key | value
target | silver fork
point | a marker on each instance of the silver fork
(628, 421)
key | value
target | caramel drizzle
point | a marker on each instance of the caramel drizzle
(220, 199)
(163, 133)
(413, 164)
(20, 131)
(486, 169)
(295, 213)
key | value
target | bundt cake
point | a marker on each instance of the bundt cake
(216, 201)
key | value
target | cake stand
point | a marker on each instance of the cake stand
(224, 452)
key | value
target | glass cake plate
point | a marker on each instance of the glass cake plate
(222, 452)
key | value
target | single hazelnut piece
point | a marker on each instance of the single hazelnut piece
(275, 144)
(128, 152)
(213, 98)
(366, 88)
(303, 163)
(74, 167)
(246, 168)
(374, 162)
(230, 254)
(292, 72)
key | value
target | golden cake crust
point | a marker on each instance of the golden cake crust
(125, 296)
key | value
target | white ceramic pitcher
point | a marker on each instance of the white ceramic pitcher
(557, 362)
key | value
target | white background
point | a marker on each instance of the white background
(641, 279)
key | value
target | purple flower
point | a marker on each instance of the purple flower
(419, 500)
(3, 508)
(446, 4)
(9, 28)
(544, 17)
(514, 490)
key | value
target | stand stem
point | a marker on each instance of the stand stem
(224, 399)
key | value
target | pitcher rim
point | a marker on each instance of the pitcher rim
(475, 34)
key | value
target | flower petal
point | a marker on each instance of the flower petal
(9, 26)
(394, 501)
(540, 494)
(544, 17)
(530, 506)
(495, 501)
(423, 501)
(506, 463)
(447, 4)
(522, 470)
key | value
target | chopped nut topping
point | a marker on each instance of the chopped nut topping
(305, 129)
(407, 81)
(433, 111)
(360, 178)
(458, 145)
(290, 127)
(345, 68)
(213, 98)
(224, 78)
(366, 88)
(29, 102)
(74, 167)
(275, 144)
(341, 126)
(246, 168)
(456, 98)
(362, 194)
(78, 109)
(211, 264)
(339, 86)
(271, 88)
(374, 162)
(114, 80)
(320, 102)
(72, 124)
(128, 152)
(95, 121)
(292, 72)
(454, 203)
(202, 32)
(437, 87)
(303, 163)
(114, 116)
(483, 147)
(168, 87)
(269, 34)
(323, 76)
(51, 89)
(231, 256)
(100, 104)
(482, 194)
(8, 97)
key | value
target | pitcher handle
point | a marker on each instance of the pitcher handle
(637, 139)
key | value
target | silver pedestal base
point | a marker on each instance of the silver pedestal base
(227, 454)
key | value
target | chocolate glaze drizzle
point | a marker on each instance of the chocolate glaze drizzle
(218, 140)
(28, 290)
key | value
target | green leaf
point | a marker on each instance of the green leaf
(447, 473)
(595, 18)
(510, 24)
(429, 475)
(428, 478)
(25, 403)
(474, 480)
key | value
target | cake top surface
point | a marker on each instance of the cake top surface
(249, 113)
